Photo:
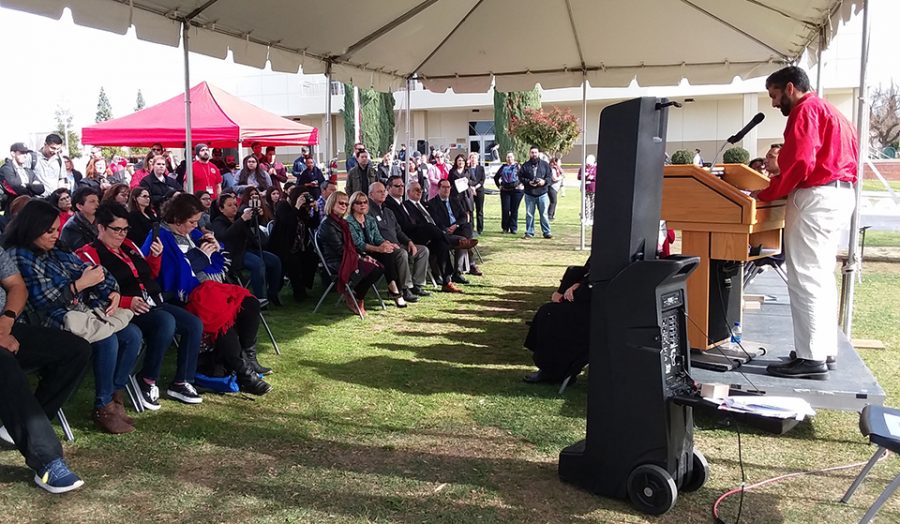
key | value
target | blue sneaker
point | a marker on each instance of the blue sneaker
(56, 478)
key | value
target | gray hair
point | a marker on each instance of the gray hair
(372, 186)
(410, 184)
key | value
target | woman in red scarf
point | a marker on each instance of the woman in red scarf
(340, 255)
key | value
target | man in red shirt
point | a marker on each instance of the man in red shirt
(206, 175)
(818, 170)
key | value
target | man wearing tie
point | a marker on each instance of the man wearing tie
(450, 217)
(418, 223)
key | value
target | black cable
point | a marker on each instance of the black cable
(721, 352)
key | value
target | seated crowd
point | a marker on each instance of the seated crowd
(115, 266)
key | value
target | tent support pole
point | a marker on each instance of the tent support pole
(820, 89)
(581, 244)
(327, 122)
(851, 265)
(357, 132)
(408, 130)
(188, 148)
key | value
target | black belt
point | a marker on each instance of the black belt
(839, 183)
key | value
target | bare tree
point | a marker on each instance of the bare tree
(884, 116)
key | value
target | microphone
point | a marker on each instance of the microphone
(759, 117)
(750, 125)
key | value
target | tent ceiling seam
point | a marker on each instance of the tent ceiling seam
(387, 28)
(444, 41)
(810, 24)
(200, 9)
(599, 68)
(736, 29)
(575, 33)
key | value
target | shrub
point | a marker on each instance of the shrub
(682, 156)
(736, 155)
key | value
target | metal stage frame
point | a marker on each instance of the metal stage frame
(850, 387)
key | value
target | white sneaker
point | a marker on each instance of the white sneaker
(6, 437)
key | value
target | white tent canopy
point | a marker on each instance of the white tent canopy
(465, 44)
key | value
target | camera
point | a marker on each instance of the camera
(254, 203)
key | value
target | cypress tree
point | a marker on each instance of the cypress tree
(507, 105)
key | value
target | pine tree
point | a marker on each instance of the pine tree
(65, 129)
(377, 115)
(139, 103)
(349, 124)
(507, 105)
(104, 109)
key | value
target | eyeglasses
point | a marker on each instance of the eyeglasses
(119, 230)
(396, 185)
(360, 202)
(341, 203)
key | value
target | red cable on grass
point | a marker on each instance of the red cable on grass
(715, 508)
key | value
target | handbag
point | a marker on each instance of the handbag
(94, 324)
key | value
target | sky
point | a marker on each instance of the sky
(48, 64)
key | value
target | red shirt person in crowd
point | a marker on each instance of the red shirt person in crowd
(818, 164)
(207, 176)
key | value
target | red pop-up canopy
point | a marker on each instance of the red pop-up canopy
(218, 119)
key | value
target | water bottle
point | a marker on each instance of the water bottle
(736, 334)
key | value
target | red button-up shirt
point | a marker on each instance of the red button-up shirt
(820, 146)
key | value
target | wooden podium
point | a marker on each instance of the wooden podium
(718, 221)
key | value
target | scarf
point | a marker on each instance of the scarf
(443, 169)
(217, 306)
(349, 259)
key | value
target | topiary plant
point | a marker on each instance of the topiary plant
(682, 156)
(736, 155)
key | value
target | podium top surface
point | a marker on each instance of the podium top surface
(692, 194)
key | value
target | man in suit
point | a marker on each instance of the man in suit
(362, 175)
(412, 259)
(420, 226)
(448, 214)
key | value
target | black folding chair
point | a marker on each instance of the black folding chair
(331, 278)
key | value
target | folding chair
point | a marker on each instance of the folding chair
(331, 278)
(60, 415)
(879, 423)
(262, 318)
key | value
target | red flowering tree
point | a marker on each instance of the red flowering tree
(553, 132)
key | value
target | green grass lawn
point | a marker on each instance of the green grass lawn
(873, 184)
(420, 415)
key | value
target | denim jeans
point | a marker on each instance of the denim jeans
(273, 274)
(542, 202)
(159, 326)
(509, 209)
(114, 358)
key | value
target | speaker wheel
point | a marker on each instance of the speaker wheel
(651, 489)
(699, 473)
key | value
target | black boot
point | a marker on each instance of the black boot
(250, 382)
(250, 357)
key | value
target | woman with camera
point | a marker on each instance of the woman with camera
(191, 273)
(296, 218)
(158, 320)
(58, 283)
(242, 238)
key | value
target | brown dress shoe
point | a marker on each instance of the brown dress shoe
(450, 287)
(119, 404)
(107, 418)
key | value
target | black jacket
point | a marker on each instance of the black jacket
(77, 232)
(237, 237)
(139, 226)
(388, 225)
(438, 210)
(387, 171)
(12, 184)
(292, 230)
(477, 177)
(331, 242)
(539, 170)
(159, 189)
